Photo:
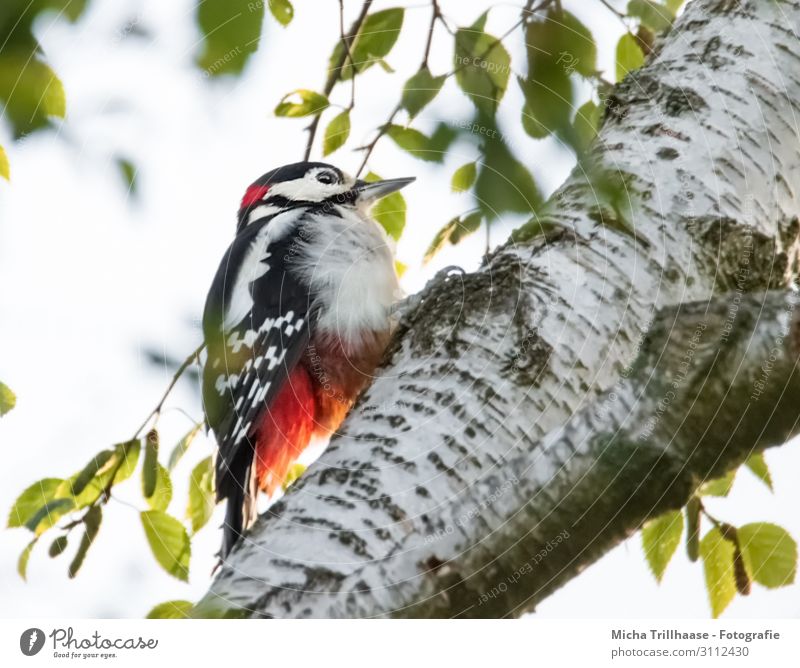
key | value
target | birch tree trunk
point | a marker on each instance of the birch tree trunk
(533, 414)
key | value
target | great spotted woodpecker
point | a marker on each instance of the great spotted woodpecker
(296, 320)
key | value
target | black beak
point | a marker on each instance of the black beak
(374, 190)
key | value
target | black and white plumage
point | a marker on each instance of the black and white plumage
(308, 270)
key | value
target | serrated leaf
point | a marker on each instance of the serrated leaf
(231, 30)
(168, 541)
(150, 465)
(79, 483)
(482, 66)
(770, 553)
(58, 546)
(91, 525)
(336, 133)
(305, 103)
(654, 15)
(758, 465)
(183, 445)
(390, 211)
(201, 494)
(7, 398)
(717, 555)
(171, 610)
(718, 486)
(32, 499)
(162, 493)
(464, 177)
(282, 11)
(629, 56)
(372, 43)
(420, 90)
(453, 232)
(25, 555)
(660, 538)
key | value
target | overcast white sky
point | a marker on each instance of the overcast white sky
(91, 278)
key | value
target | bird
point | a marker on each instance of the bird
(296, 320)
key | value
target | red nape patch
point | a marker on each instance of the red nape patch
(254, 194)
(285, 430)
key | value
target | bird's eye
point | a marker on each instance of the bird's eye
(326, 177)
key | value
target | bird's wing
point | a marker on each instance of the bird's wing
(256, 325)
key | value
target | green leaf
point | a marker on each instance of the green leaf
(79, 483)
(535, 227)
(92, 525)
(453, 232)
(7, 398)
(201, 494)
(654, 15)
(169, 542)
(305, 103)
(416, 143)
(629, 56)
(717, 554)
(372, 43)
(586, 124)
(758, 465)
(390, 211)
(336, 133)
(171, 610)
(282, 11)
(22, 562)
(49, 514)
(482, 66)
(770, 553)
(557, 46)
(674, 5)
(162, 494)
(419, 90)
(719, 486)
(150, 466)
(660, 538)
(504, 184)
(128, 172)
(183, 445)
(128, 452)
(464, 177)
(231, 30)
(58, 546)
(31, 500)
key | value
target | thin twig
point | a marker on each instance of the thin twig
(185, 365)
(612, 9)
(335, 73)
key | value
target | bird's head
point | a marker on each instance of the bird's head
(310, 184)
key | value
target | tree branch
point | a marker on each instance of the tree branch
(491, 431)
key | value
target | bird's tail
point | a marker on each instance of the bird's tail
(240, 512)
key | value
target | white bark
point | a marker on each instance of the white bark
(507, 413)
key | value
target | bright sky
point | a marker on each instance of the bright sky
(92, 278)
